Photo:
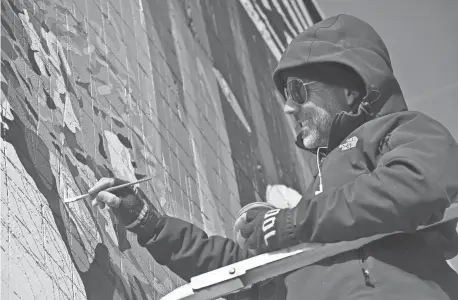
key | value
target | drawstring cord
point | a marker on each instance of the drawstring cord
(320, 188)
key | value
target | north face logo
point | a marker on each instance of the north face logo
(349, 143)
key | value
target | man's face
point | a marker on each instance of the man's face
(319, 104)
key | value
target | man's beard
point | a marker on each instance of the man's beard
(312, 139)
(316, 135)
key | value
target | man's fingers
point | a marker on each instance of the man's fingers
(240, 240)
(109, 199)
(240, 222)
(251, 215)
(105, 198)
(99, 204)
(101, 185)
(253, 251)
(244, 243)
(247, 230)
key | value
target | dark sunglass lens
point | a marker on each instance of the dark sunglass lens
(294, 88)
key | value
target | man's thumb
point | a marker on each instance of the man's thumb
(109, 199)
(254, 213)
(247, 230)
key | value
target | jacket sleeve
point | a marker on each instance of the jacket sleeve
(186, 249)
(412, 185)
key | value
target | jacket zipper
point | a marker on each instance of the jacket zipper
(364, 269)
(318, 164)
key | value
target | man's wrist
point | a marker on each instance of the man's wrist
(130, 209)
(140, 216)
(289, 228)
(146, 222)
(283, 234)
(136, 214)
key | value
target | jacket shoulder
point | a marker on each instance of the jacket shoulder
(411, 124)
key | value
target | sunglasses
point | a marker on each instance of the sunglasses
(296, 91)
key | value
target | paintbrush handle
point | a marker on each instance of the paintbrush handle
(113, 188)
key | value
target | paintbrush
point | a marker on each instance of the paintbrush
(73, 199)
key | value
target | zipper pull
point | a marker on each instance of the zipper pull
(367, 278)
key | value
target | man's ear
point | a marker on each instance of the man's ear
(353, 98)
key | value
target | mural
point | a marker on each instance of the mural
(178, 90)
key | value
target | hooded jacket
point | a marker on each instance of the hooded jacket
(386, 170)
(396, 170)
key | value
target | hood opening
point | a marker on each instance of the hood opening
(334, 74)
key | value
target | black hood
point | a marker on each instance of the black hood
(352, 42)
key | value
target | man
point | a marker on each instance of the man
(380, 169)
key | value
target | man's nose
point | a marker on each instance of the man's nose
(289, 107)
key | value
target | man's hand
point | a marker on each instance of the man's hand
(129, 204)
(242, 222)
(100, 197)
(262, 230)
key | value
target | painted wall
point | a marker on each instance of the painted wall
(178, 90)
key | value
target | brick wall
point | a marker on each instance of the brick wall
(177, 90)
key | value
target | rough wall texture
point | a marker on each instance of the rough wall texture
(177, 90)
